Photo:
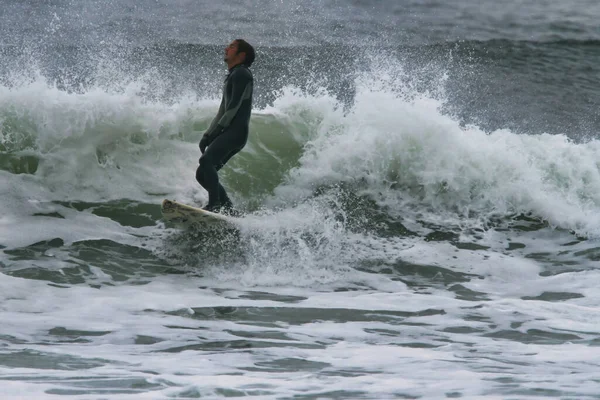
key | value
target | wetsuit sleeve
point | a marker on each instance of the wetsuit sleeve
(212, 130)
(241, 90)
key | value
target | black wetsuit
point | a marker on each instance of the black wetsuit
(227, 134)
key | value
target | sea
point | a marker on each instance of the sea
(420, 199)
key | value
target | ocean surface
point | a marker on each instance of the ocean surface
(421, 199)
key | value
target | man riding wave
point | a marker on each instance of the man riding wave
(228, 132)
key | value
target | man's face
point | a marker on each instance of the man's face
(231, 53)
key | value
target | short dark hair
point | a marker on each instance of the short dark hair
(245, 47)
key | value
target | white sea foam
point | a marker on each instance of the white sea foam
(401, 150)
(314, 304)
(407, 154)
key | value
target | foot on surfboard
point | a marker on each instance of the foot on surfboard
(225, 209)
(222, 208)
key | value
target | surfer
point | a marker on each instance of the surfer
(228, 132)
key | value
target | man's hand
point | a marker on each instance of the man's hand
(203, 143)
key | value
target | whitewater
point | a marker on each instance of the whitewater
(420, 197)
(387, 251)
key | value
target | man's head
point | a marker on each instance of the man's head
(239, 52)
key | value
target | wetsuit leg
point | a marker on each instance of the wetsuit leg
(223, 198)
(222, 194)
(214, 158)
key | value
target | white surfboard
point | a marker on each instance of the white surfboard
(184, 216)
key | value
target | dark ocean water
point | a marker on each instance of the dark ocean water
(421, 193)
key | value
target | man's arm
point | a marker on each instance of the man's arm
(241, 79)
(212, 131)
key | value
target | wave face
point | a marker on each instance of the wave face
(421, 198)
(390, 143)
